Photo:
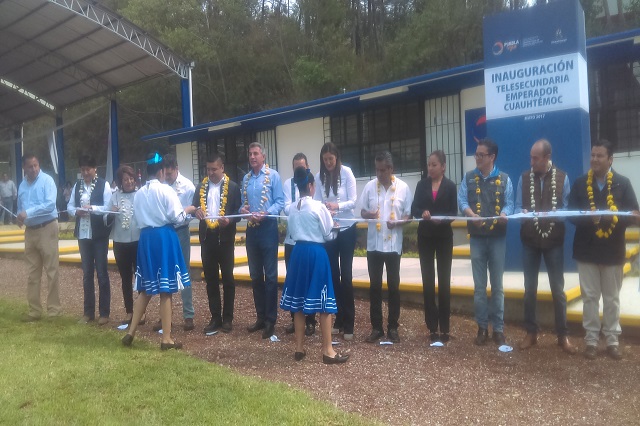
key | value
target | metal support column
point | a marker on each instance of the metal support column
(113, 130)
(17, 154)
(62, 176)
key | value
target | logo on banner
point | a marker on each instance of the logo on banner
(558, 37)
(511, 45)
(498, 47)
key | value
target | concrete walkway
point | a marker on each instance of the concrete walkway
(12, 244)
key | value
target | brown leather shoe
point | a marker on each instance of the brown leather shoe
(566, 345)
(188, 324)
(529, 340)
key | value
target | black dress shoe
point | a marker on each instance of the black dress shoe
(212, 326)
(498, 338)
(167, 346)
(309, 330)
(299, 355)
(127, 340)
(268, 331)
(338, 359)
(614, 352)
(374, 336)
(226, 327)
(444, 337)
(258, 325)
(482, 337)
(590, 352)
(393, 335)
(291, 328)
(434, 337)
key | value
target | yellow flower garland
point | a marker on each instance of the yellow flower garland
(479, 206)
(204, 191)
(263, 194)
(600, 233)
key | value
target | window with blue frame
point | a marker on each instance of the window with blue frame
(360, 136)
(614, 104)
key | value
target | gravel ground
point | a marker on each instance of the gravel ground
(409, 382)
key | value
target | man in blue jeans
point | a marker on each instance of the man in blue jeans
(90, 198)
(487, 192)
(184, 189)
(543, 188)
(262, 195)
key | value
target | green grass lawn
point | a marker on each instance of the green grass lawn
(59, 372)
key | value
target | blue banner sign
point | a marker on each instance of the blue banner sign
(536, 87)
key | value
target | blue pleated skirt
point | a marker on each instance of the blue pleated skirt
(308, 286)
(160, 265)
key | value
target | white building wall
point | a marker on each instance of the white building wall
(628, 165)
(185, 160)
(304, 136)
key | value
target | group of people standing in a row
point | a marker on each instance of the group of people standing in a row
(149, 227)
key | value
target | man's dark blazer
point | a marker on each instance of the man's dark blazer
(228, 233)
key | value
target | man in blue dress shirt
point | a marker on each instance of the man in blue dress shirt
(38, 213)
(487, 192)
(262, 195)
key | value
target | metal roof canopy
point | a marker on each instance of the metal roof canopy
(624, 46)
(56, 53)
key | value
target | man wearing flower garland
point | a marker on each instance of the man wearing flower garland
(92, 195)
(548, 190)
(185, 190)
(387, 199)
(261, 196)
(487, 192)
(599, 246)
(217, 195)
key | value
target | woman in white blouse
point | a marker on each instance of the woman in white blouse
(308, 287)
(160, 268)
(337, 191)
(125, 233)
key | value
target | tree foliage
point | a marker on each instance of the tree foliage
(252, 55)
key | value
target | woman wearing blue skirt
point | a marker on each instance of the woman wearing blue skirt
(160, 265)
(308, 287)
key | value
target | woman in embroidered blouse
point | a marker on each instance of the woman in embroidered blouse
(436, 196)
(337, 190)
(125, 233)
(160, 268)
(308, 287)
